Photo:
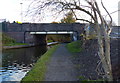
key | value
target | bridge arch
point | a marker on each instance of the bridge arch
(39, 38)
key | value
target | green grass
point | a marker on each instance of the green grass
(37, 73)
(7, 39)
(49, 41)
(15, 44)
(84, 80)
(75, 46)
(93, 81)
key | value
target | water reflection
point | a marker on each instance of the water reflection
(17, 62)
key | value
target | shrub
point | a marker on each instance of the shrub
(7, 40)
(75, 46)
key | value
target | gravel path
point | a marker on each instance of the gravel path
(80, 66)
(61, 67)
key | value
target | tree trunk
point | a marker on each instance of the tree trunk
(104, 56)
(107, 55)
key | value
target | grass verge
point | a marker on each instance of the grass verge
(75, 46)
(37, 73)
(15, 44)
(48, 41)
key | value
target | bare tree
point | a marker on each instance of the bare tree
(93, 16)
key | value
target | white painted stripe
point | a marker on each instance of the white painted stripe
(32, 32)
(40, 32)
(51, 32)
(62, 32)
(70, 32)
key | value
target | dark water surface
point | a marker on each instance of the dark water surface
(17, 62)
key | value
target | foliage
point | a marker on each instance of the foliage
(64, 38)
(59, 38)
(68, 19)
(15, 44)
(49, 41)
(55, 22)
(84, 80)
(93, 36)
(75, 46)
(37, 73)
(7, 40)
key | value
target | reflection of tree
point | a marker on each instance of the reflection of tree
(22, 56)
(39, 50)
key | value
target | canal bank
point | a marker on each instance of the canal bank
(17, 62)
(25, 46)
(37, 73)
(17, 46)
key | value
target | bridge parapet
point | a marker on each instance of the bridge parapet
(15, 27)
(21, 32)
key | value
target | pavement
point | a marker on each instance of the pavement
(61, 68)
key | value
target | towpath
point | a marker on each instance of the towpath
(61, 68)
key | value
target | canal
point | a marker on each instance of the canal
(17, 62)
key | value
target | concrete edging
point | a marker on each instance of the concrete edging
(18, 46)
(25, 46)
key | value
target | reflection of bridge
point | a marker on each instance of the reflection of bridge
(36, 32)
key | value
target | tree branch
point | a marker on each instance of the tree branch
(85, 20)
(77, 8)
(107, 13)
(108, 25)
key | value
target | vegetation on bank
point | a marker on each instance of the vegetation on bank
(15, 44)
(75, 46)
(59, 38)
(8, 41)
(37, 73)
(48, 41)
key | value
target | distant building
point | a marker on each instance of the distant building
(119, 13)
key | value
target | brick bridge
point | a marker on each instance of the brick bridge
(35, 33)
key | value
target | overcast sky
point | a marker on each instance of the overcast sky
(11, 9)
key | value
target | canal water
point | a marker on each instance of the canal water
(17, 62)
